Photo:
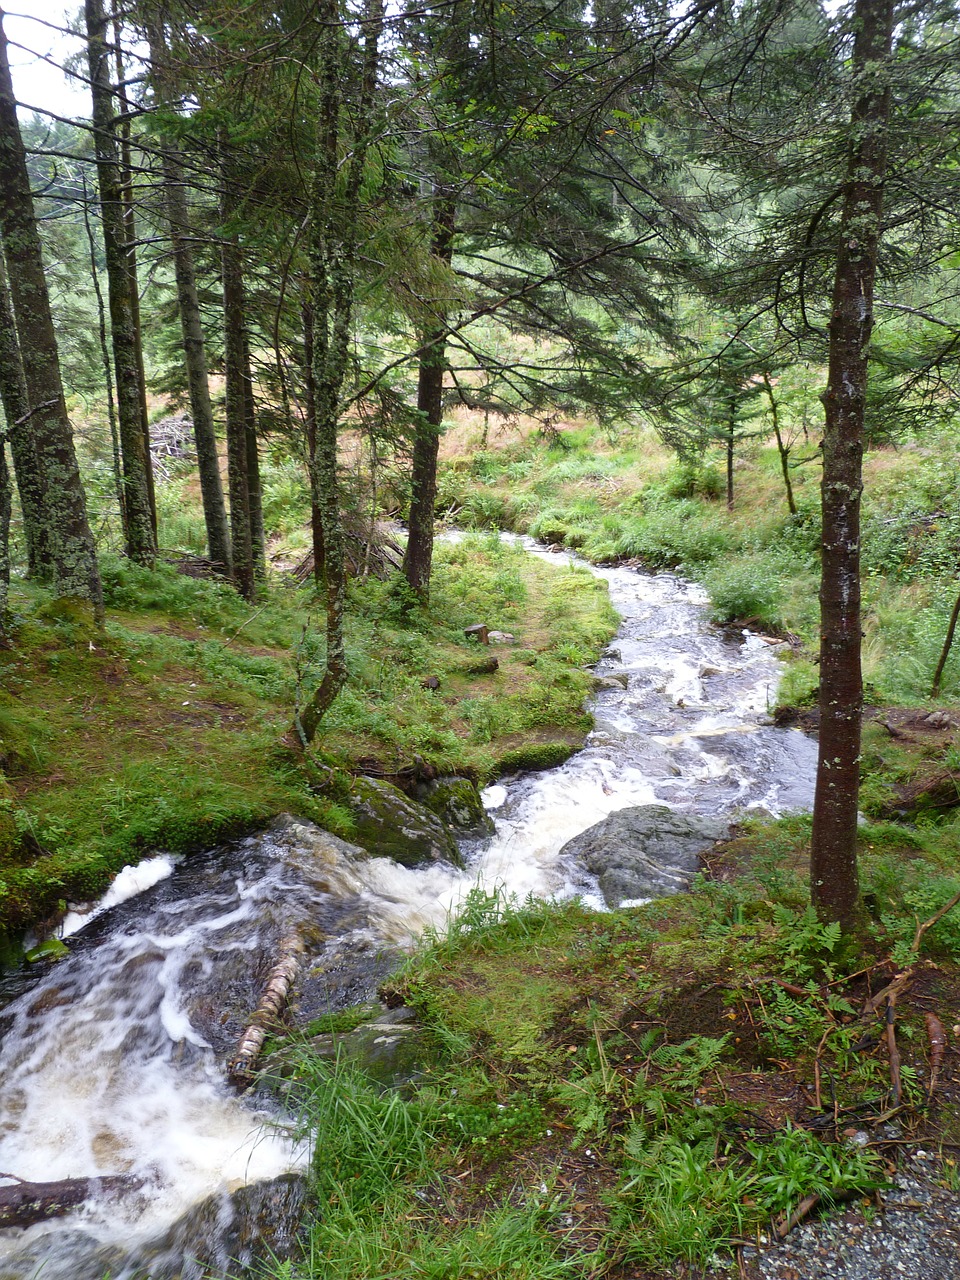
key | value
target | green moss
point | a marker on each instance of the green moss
(535, 755)
(343, 1021)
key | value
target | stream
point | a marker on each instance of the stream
(111, 1061)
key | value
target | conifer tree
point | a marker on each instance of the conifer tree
(64, 515)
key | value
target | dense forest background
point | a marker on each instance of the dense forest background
(676, 286)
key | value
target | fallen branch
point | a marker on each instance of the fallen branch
(937, 915)
(783, 1228)
(938, 1045)
(29, 1202)
(892, 1050)
(895, 988)
(274, 997)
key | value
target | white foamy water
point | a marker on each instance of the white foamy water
(126, 884)
(112, 1063)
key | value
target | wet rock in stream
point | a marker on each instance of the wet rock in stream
(645, 851)
(391, 825)
(457, 802)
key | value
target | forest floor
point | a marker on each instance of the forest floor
(171, 728)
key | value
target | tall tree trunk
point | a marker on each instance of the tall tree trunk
(194, 347)
(105, 361)
(731, 439)
(258, 540)
(945, 651)
(130, 232)
(5, 508)
(137, 514)
(333, 235)
(418, 556)
(236, 412)
(310, 425)
(833, 854)
(782, 449)
(26, 464)
(64, 517)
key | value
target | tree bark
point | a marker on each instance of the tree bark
(136, 510)
(310, 410)
(236, 412)
(64, 514)
(26, 464)
(5, 508)
(275, 993)
(833, 854)
(194, 347)
(29, 1202)
(130, 230)
(333, 241)
(782, 449)
(731, 439)
(945, 651)
(418, 556)
(105, 361)
(258, 540)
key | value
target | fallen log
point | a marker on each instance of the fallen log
(274, 997)
(27, 1202)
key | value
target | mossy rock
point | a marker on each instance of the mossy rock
(390, 825)
(457, 803)
(535, 756)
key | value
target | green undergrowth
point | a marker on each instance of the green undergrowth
(171, 727)
(628, 1093)
(619, 497)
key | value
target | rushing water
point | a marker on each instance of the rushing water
(111, 1062)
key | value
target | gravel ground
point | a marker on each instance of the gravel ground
(914, 1236)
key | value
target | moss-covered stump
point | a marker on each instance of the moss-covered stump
(389, 824)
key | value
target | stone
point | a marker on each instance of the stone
(501, 637)
(457, 803)
(646, 851)
(391, 825)
(392, 1048)
(619, 680)
(481, 667)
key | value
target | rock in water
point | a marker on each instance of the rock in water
(390, 825)
(648, 851)
(457, 802)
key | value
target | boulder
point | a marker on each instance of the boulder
(390, 825)
(648, 851)
(619, 680)
(392, 1048)
(457, 803)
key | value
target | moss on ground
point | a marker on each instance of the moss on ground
(695, 1066)
(170, 729)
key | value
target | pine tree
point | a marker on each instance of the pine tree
(64, 515)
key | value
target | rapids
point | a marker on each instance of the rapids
(111, 1060)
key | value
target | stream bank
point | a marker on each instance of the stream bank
(169, 975)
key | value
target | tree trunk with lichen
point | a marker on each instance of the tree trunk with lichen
(64, 513)
(191, 328)
(418, 556)
(138, 524)
(333, 248)
(26, 464)
(833, 854)
(236, 413)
